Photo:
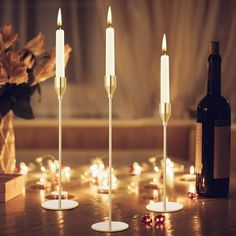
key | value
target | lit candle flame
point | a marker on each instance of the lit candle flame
(192, 170)
(164, 44)
(109, 17)
(59, 18)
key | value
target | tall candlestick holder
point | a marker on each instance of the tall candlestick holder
(59, 204)
(165, 205)
(110, 226)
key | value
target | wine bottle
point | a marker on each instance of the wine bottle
(213, 134)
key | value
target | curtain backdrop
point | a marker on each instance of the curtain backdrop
(139, 25)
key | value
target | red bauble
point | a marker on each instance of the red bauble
(146, 219)
(192, 195)
(159, 219)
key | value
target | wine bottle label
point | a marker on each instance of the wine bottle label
(222, 152)
(198, 159)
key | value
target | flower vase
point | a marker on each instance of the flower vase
(7, 144)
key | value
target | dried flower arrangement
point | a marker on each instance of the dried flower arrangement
(21, 71)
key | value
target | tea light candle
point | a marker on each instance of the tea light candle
(43, 183)
(136, 169)
(104, 186)
(24, 169)
(53, 166)
(154, 181)
(55, 194)
(191, 176)
(103, 182)
(66, 172)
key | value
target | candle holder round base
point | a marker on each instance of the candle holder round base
(159, 207)
(55, 206)
(116, 226)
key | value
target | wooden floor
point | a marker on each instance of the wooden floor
(24, 215)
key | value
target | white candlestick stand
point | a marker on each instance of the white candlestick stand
(165, 205)
(60, 204)
(110, 226)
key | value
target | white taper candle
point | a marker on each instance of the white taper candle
(110, 46)
(165, 87)
(60, 58)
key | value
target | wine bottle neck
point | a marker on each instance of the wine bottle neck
(214, 74)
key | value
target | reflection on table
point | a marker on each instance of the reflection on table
(133, 189)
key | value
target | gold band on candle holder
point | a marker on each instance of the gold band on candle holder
(60, 86)
(110, 84)
(165, 111)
